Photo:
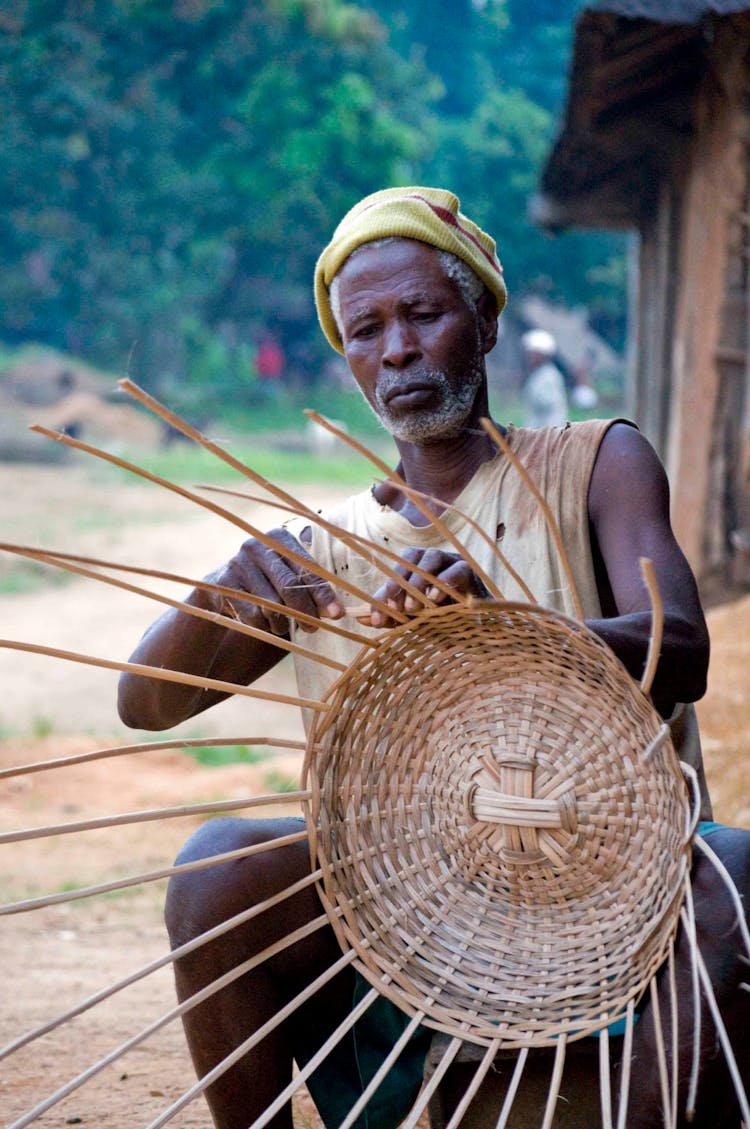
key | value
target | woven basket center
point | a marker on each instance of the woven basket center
(524, 820)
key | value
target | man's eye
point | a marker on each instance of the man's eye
(365, 331)
(426, 315)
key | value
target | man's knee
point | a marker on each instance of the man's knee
(200, 899)
(716, 903)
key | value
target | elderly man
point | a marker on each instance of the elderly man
(409, 290)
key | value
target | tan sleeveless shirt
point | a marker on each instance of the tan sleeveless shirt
(560, 461)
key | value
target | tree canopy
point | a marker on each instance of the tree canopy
(170, 169)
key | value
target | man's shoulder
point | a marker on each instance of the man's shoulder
(570, 436)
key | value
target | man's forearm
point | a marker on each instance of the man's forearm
(683, 663)
(176, 641)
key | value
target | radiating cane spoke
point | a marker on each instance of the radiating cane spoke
(161, 674)
(186, 1005)
(148, 876)
(169, 958)
(215, 806)
(148, 747)
(270, 542)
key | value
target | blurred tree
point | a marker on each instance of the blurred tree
(170, 169)
(166, 160)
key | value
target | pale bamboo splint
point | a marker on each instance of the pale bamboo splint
(428, 512)
(276, 492)
(397, 822)
(360, 545)
(330, 626)
(303, 561)
(146, 747)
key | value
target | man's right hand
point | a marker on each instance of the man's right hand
(200, 646)
(273, 575)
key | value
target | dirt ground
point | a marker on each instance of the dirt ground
(55, 957)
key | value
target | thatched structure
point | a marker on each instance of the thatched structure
(656, 138)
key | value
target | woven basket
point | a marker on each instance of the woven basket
(501, 822)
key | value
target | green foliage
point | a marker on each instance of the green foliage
(170, 169)
(217, 756)
(275, 781)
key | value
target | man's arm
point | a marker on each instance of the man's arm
(190, 644)
(629, 516)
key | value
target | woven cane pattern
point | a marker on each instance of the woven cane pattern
(502, 824)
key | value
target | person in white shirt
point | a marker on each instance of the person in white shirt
(544, 394)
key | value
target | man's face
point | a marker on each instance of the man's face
(413, 345)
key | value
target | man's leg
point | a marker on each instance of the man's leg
(722, 949)
(198, 901)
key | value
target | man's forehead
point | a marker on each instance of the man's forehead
(411, 269)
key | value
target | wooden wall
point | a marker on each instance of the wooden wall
(685, 390)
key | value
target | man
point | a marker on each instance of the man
(409, 290)
(544, 391)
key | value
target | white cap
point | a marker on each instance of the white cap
(539, 341)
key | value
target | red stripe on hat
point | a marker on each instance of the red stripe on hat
(448, 217)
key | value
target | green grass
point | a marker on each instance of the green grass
(23, 577)
(275, 781)
(42, 726)
(190, 464)
(217, 756)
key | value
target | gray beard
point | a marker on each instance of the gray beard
(428, 425)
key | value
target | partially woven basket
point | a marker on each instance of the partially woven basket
(502, 824)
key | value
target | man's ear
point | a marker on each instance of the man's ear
(487, 315)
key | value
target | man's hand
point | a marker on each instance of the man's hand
(270, 574)
(451, 569)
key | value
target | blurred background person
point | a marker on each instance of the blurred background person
(544, 394)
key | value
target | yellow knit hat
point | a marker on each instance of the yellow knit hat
(430, 215)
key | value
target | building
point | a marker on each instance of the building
(656, 138)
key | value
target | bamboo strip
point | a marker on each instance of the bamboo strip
(515, 1082)
(305, 562)
(486, 537)
(168, 1017)
(656, 743)
(661, 1056)
(321, 1054)
(605, 1078)
(149, 876)
(221, 620)
(692, 1094)
(730, 886)
(479, 1077)
(360, 545)
(206, 586)
(648, 572)
(382, 1071)
(275, 491)
(424, 1097)
(627, 1061)
(433, 518)
(721, 1030)
(252, 1041)
(674, 1010)
(153, 966)
(149, 815)
(148, 747)
(504, 446)
(554, 1087)
(165, 675)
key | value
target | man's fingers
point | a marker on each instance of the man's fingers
(307, 591)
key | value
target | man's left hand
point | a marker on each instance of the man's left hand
(449, 568)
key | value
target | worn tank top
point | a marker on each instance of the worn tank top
(560, 461)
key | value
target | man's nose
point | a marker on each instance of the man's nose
(400, 346)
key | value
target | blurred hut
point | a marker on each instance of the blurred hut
(44, 386)
(656, 138)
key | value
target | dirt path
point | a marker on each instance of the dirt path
(55, 957)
